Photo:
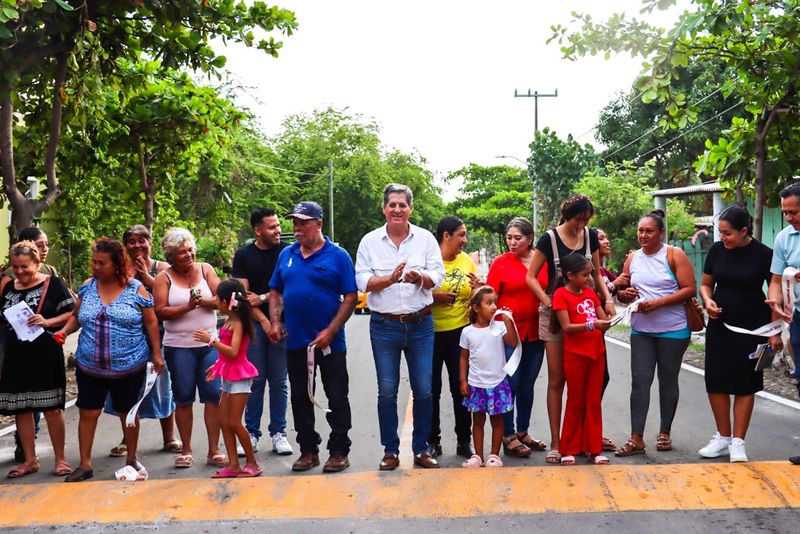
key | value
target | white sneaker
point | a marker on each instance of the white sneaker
(280, 444)
(253, 442)
(737, 452)
(718, 446)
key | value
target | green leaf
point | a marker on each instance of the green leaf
(65, 6)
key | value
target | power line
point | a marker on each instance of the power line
(654, 128)
(596, 126)
(286, 170)
(689, 130)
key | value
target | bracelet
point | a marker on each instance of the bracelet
(212, 341)
(589, 326)
(609, 302)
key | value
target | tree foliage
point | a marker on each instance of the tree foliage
(55, 53)
(631, 129)
(759, 42)
(555, 166)
(362, 167)
(490, 197)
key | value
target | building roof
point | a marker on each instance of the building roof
(710, 187)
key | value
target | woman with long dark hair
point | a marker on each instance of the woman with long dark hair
(571, 236)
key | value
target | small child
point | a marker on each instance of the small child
(237, 375)
(488, 390)
(577, 308)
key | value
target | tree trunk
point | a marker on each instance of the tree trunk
(761, 159)
(21, 208)
(148, 187)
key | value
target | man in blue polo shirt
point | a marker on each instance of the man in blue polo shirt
(786, 253)
(314, 285)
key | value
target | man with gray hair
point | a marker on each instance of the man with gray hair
(399, 264)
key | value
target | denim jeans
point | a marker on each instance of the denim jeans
(522, 386)
(270, 360)
(187, 369)
(794, 337)
(389, 338)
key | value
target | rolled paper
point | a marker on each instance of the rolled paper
(150, 380)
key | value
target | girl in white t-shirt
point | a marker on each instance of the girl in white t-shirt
(487, 390)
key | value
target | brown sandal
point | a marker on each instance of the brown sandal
(531, 443)
(512, 446)
(629, 449)
(608, 445)
(663, 442)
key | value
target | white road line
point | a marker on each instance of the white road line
(696, 370)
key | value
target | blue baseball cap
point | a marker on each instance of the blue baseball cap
(306, 210)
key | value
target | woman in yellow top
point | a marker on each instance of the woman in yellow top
(450, 316)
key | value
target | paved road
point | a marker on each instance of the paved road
(774, 434)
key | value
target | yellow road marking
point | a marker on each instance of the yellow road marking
(409, 494)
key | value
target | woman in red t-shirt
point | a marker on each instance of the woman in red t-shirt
(507, 277)
(581, 317)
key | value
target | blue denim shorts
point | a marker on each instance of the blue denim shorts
(237, 386)
(187, 368)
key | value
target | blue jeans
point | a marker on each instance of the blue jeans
(270, 360)
(794, 336)
(389, 338)
(522, 386)
(187, 369)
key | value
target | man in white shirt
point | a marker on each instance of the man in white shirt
(399, 264)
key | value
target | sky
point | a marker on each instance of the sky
(439, 76)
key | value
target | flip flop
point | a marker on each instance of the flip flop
(598, 459)
(119, 451)
(218, 460)
(175, 446)
(184, 460)
(248, 472)
(225, 472)
(79, 475)
(553, 457)
(24, 470)
(568, 460)
(62, 469)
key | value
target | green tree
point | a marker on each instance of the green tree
(555, 166)
(760, 45)
(630, 130)
(490, 197)
(362, 168)
(54, 53)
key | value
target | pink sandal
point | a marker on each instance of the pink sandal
(473, 461)
(226, 472)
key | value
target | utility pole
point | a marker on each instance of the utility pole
(536, 95)
(330, 197)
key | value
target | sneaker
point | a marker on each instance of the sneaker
(435, 449)
(737, 452)
(280, 444)
(253, 442)
(718, 446)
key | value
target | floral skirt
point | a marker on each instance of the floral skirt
(494, 401)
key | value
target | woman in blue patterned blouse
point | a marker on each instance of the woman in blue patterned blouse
(112, 354)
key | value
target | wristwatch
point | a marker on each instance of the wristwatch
(262, 297)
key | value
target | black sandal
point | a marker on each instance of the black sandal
(79, 475)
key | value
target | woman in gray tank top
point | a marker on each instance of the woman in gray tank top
(659, 331)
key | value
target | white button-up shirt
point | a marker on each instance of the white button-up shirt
(378, 256)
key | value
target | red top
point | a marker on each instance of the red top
(507, 276)
(238, 367)
(582, 309)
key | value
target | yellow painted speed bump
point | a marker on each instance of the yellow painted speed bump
(409, 494)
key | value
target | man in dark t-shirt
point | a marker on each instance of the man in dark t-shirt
(253, 266)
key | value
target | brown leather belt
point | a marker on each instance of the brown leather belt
(406, 318)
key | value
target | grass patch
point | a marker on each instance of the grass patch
(697, 347)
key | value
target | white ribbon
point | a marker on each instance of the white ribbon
(310, 367)
(778, 326)
(150, 379)
(625, 317)
(513, 362)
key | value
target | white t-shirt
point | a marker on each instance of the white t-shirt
(487, 354)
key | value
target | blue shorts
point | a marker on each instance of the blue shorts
(187, 368)
(237, 386)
